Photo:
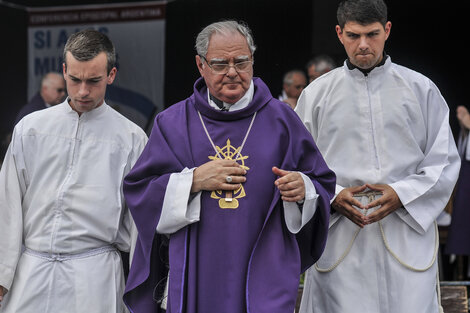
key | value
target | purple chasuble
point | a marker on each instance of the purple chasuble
(459, 232)
(240, 257)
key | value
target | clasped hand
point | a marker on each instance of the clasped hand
(388, 203)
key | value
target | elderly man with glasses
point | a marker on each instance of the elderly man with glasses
(230, 194)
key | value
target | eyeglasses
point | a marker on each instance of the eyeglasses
(223, 68)
(59, 90)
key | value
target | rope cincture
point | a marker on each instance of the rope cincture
(371, 196)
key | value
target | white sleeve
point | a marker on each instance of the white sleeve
(12, 189)
(425, 193)
(180, 208)
(296, 218)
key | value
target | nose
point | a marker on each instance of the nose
(83, 91)
(363, 43)
(232, 72)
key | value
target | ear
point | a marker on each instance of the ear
(388, 27)
(200, 65)
(112, 75)
(64, 70)
(339, 33)
(43, 89)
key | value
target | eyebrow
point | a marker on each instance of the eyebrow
(238, 58)
(350, 32)
(91, 78)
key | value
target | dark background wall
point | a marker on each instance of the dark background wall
(426, 36)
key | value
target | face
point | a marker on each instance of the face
(87, 81)
(298, 84)
(229, 49)
(364, 44)
(313, 73)
(53, 92)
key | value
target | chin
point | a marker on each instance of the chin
(232, 96)
(232, 100)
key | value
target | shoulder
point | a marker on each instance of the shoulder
(175, 114)
(174, 111)
(414, 78)
(326, 81)
(40, 116)
(282, 114)
(125, 126)
(421, 86)
(322, 88)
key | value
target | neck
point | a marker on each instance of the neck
(240, 104)
(218, 102)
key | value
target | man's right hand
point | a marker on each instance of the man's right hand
(343, 204)
(212, 176)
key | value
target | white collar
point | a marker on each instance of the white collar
(240, 104)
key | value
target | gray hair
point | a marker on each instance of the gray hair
(87, 44)
(323, 63)
(288, 76)
(49, 77)
(224, 28)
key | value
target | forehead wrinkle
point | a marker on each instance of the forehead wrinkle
(227, 45)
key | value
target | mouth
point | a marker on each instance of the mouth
(363, 54)
(83, 102)
(232, 84)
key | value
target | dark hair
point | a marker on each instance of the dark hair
(363, 12)
(87, 44)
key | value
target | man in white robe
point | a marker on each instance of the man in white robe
(384, 131)
(62, 211)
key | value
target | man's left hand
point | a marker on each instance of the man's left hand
(290, 184)
(388, 203)
(3, 292)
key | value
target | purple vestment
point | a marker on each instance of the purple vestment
(459, 232)
(232, 260)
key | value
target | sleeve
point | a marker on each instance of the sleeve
(127, 233)
(179, 207)
(312, 227)
(308, 113)
(12, 189)
(144, 191)
(425, 193)
(296, 218)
